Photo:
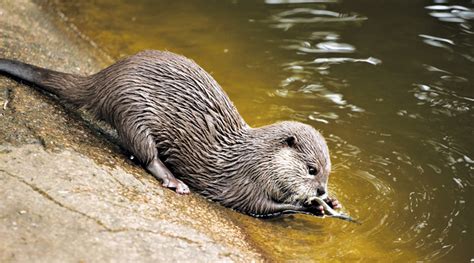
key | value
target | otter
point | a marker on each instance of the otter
(182, 127)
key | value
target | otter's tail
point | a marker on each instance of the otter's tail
(66, 86)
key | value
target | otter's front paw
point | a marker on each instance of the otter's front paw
(333, 203)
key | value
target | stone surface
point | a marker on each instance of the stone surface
(67, 192)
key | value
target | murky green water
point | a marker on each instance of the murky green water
(389, 83)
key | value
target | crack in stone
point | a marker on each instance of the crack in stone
(50, 198)
(97, 221)
(125, 229)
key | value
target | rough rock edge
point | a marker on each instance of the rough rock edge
(32, 122)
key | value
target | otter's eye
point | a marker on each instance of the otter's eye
(312, 170)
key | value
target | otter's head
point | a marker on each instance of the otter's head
(290, 165)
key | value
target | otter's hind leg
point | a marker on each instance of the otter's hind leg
(141, 144)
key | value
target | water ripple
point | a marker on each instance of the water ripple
(442, 100)
(298, 86)
(369, 60)
(451, 13)
(288, 18)
(322, 47)
(437, 41)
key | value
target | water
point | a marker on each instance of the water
(389, 83)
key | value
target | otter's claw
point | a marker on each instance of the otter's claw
(178, 185)
(333, 203)
(327, 209)
(182, 188)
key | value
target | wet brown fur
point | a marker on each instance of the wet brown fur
(165, 106)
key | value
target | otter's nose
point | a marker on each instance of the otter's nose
(320, 191)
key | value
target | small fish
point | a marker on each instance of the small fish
(331, 212)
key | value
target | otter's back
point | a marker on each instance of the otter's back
(169, 97)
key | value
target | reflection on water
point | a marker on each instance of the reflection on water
(388, 84)
(451, 13)
(291, 17)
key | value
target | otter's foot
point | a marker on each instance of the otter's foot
(178, 185)
(159, 170)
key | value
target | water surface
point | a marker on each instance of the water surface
(389, 84)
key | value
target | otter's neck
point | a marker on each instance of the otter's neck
(237, 178)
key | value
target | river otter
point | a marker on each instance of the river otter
(176, 120)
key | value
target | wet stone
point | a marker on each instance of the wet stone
(68, 193)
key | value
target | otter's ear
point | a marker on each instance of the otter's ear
(290, 141)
